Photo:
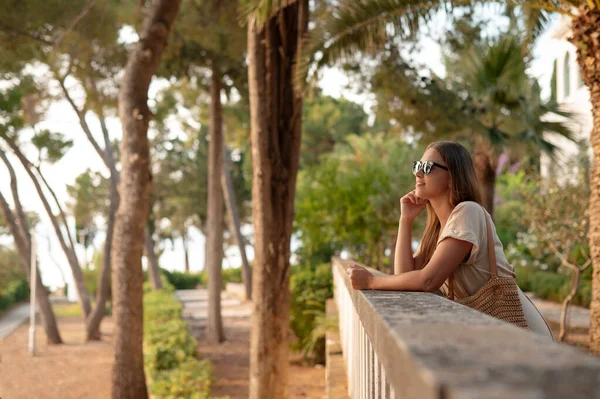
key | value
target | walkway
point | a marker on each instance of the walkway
(230, 360)
(578, 317)
(13, 319)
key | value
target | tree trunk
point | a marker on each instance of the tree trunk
(214, 223)
(23, 244)
(107, 156)
(234, 219)
(84, 299)
(585, 39)
(93, 326)
(276, 115)
(575, 277)
(128, 379)
(185, 251)
(153, 266)
(485, 167)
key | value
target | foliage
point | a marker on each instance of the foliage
(554, 286)
(11, 268)
(352, 197)
(557, 217)
(90, 278)
(183, 281)
(170, 356)
(89, 199)
(188, 281)
(510, 194)
(310, 288)
(51, 146)
(327, 121)
(14, 292)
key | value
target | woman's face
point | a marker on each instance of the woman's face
(437, 182)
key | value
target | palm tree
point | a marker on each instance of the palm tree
(356, 26)
(505, 106)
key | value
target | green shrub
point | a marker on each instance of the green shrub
(232, 275)
(184, 281)
(90, 279)
(310, 288)
(169, 349)
(14, 292)
(553, 286)
(190, 380)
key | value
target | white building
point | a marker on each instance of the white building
(573, 95)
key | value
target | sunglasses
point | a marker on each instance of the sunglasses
(427, 166)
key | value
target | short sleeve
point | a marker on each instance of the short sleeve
(465, 223)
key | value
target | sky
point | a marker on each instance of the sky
(61, 118)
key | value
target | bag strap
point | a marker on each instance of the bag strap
(491, 256)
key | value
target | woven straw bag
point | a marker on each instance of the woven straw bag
(499, 297)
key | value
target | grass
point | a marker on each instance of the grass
(71, 309)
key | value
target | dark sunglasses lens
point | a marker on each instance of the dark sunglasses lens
(416, 167)
(427, 168)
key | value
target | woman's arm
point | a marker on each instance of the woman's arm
(448, 255)
(403, 257)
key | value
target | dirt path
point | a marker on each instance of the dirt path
(69, 371)
(231, 359)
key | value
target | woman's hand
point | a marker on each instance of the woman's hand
(360, 277)
(411, 206)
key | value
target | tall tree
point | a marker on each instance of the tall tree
(234, 221)
(128, 380)
(19, 229)
(206, 28)
(214, 225)
(275, 34)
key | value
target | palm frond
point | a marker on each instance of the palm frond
(353, 27)
(559, 6)
(259, 11)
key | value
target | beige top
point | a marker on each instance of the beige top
(467, 223)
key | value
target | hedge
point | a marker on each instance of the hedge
(15, 292)
(170, 356)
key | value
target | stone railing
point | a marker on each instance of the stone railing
(421, 345)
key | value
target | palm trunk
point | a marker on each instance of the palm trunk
(486, 173)
(153, 266)
(93, 326)
(23, 244)
(234, 219)
(128, 379)
(276, 114)
(185, 251)
(585, 39)
(214, 223)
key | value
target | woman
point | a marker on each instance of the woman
(455, 240)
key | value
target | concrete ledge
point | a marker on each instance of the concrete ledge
(335, 370)
(431, 347)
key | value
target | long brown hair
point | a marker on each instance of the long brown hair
(463, 187)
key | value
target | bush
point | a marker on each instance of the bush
(90, 279)
(184, 281)
(310, 288)
(553, 286)
(190, 380)
(169, 350)
(232, 275)
(14, 292)
(11, 268)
